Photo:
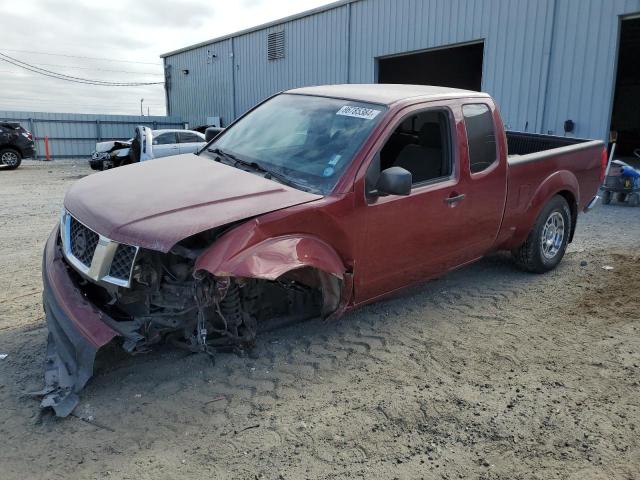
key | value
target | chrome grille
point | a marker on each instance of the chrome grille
(95, 256)
(122, 262)
(83, 242)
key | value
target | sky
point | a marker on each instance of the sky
(116, 41)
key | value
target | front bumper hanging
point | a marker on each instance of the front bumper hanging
(76, 332)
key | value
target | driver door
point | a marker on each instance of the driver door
(415, 237)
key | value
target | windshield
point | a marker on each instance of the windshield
(309, 140)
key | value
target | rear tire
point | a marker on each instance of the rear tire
(621, 197)
(545, 246)
(10, 158)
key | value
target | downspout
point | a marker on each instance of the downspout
(349, 43)
(548, 69)
(233, 78)
(167, 103)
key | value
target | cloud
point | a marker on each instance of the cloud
(251, 3)
(119, 30)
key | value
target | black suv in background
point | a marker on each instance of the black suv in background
(16, 143)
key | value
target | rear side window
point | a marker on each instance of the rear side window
(481, 136)
(165, 139)
(188, 137)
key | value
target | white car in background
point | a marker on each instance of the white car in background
(146, 144)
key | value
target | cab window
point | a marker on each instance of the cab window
(421, 144)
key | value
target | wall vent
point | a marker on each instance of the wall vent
(275, 45)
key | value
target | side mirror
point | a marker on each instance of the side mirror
(394, 181)
(212, 132)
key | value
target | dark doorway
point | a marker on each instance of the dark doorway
(458, 67)
(625, 120)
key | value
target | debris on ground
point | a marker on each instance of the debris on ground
(563, 349)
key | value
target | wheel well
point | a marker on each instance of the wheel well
(573, 206)
(11, 147)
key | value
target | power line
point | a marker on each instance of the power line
(63, 76)
(136, 104)
(98, 69)
(78, 56)
(70, 78)
(38, 100)
(94, 69)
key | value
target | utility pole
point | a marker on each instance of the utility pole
(141, 111)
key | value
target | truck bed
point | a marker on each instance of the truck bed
(536, 164)
(522, 143)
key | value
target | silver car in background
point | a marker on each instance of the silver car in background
(146, 144)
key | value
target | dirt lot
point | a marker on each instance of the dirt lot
(487, 373)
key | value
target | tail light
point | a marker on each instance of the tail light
(604, 160)
(28, 134)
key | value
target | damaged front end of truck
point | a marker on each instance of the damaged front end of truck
(98, 292)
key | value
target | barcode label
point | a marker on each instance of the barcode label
(358, 112)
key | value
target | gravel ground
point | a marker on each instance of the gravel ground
(486, 373)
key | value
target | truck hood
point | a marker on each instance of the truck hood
(157, 204)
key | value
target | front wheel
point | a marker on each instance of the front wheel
(10, 158)
(545, 246)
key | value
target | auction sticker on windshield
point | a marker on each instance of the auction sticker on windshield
(358, 112)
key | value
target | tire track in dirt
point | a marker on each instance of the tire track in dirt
(487, 366)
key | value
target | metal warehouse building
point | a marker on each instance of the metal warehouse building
(559, 66)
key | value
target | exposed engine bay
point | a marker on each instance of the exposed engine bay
(168, 301)
(110, 154)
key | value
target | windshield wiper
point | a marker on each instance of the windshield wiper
(270, 174)
(221, 153)
(255, 166)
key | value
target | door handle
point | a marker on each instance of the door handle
(454, 198)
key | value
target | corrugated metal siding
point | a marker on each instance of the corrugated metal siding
(76, 134)
(514, 34)
(207, 90)
(316, 50)
(545, 61)
(583, 65)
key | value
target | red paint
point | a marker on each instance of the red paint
(376, 247)
(399, 241)
(156, 204)
(82, 315)
(272, 257)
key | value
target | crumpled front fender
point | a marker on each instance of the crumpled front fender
(272, 258)
(238, 254)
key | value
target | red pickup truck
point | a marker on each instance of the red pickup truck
(314, 202)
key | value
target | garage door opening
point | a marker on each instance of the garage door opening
(625, 120)
(458, 67)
